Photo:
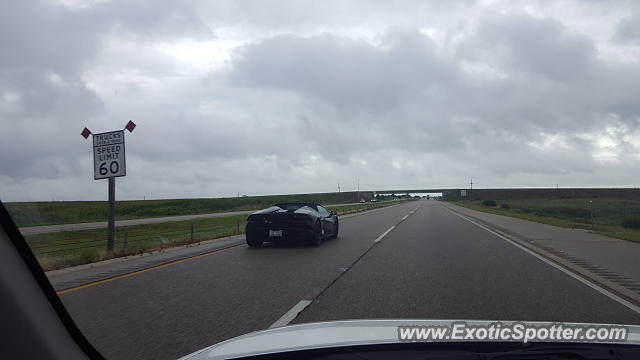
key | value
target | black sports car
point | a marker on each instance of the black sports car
(307, 222)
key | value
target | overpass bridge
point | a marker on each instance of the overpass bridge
(510, 193)
(417, 191)
(370, 194)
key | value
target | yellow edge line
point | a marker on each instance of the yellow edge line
(61, 292)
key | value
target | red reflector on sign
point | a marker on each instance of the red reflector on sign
(130, 126)
(86, 132)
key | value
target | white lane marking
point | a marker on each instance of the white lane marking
(405, 217)
(384, 234)
(291, 314)
(601, 290)
(302, 304)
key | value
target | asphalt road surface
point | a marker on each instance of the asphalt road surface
(431, 265)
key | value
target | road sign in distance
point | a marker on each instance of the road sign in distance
(109, 155)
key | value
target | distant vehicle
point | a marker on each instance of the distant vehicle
(362, 200)
(309, 223)
(374, 200)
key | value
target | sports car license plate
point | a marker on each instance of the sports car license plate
(277, 233)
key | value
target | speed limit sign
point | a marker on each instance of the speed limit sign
(108, 155)
(109, 163)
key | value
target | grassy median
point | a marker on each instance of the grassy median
(62, 249)
(612, 217)
(71, 212)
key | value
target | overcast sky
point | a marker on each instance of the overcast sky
(273, 97)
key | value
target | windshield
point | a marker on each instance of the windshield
(470, 160)
(294, 206)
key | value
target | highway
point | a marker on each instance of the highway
(413, 260)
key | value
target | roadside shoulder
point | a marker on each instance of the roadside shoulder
(79, 275)
(608, 262)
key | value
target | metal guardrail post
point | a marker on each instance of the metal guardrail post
(192, 233)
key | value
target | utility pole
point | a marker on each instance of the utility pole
(358, 189)
(471, 190)
(338, 187)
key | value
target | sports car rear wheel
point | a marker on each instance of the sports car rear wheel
(253, 242)
(318, 235)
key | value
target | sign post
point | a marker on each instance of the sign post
(111, 216)
(109, 162)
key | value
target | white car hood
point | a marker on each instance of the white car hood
(333, 334)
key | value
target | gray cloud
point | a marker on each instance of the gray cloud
(347, 73)
(152, 20)
(45, 99)
(628, 30)
(540, 47)
(405, 95)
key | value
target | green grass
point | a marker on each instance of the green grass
(489, 203)
(609, 214)
(69, 248)
(358, 207)
(58, 250)
(71, 212)
(631, 222)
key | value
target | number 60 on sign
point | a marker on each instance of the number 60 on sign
(109, 155)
